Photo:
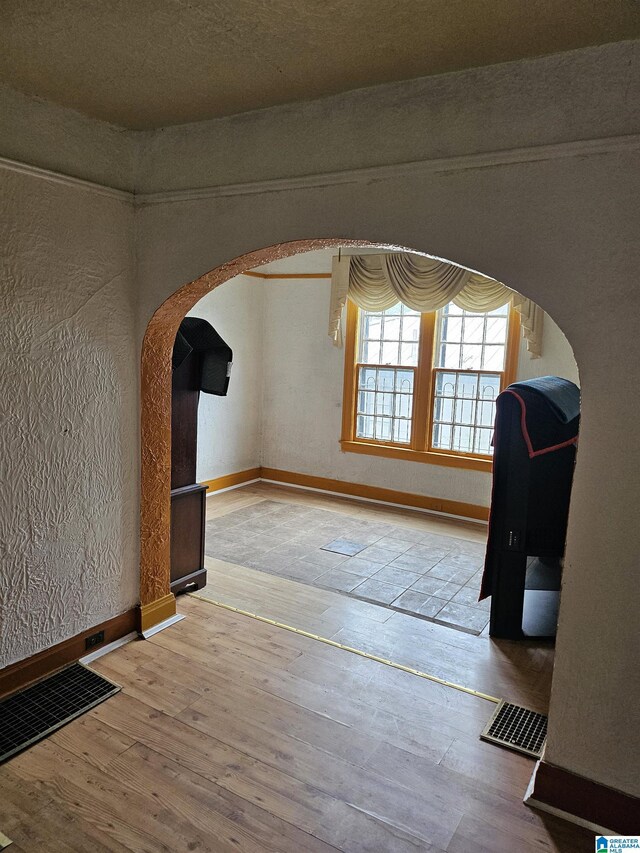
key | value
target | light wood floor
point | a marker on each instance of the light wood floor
(517, 671)
(230, 734)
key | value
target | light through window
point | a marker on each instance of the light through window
(427, 384)
(387, 360)
(469, 363)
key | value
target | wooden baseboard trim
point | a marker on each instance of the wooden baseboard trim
(155, 612)
(378, 494)
(18, 675)
(473, 512)
(583, 801)
(229, 481)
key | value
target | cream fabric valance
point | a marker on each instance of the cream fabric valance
(376, 282)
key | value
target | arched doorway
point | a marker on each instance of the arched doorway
(157, 603)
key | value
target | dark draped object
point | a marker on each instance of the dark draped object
(201, 362)
(215, 356)
(535, 438)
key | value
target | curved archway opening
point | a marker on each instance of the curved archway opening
(157, 602)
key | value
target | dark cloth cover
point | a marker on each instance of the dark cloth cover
(181, 350)
(562, 396)
(198, 336)
(535, 438)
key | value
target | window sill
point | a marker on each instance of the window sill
(471, 463)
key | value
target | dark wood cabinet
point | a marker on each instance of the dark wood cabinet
(188, 512)
(188, 498)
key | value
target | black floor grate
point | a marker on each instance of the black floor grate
(517, 728)
(33, 713)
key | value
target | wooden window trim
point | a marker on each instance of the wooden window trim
(418, 450)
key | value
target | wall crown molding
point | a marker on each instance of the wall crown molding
(506, 157)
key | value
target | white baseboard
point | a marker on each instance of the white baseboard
(166, 623)
(110, 647)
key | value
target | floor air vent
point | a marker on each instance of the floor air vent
(33, 713)
(516, 728)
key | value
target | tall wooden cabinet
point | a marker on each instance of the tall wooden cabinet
(187, 497)
(201, 362)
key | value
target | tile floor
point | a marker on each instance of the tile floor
(427, 575)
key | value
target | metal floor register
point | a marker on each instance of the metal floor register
(33, 713)
(517, 728)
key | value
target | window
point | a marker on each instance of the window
(423, 386)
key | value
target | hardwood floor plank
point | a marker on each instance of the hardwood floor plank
(92, 742)
(123, 818)
(424, 815)
(474, 834)
(57, 830)
(19, 800)
(245, 825)
(284, 796)
(356, 717)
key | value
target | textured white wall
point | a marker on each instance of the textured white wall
(68, 414)
(576, 95)
(230, 428)
(53, 137)
(303, 401)
(557, 356)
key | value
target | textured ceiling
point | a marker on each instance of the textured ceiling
(152, 63)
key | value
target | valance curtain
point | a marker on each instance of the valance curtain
(376, 282)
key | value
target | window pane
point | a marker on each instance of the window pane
(473, 330)
(442, 436)
(468, 385)
(446, 383)
(493, 358)
(443, 409)
(371, 325)
(383, 429)
(471, 340)
(452, 329)
(390, 352)
(364, 427)
(404, 381)
(449, 355)
(367, 378)
(502, 311)
(411, 327)
(464, 411)
(409, 354)
(482, 443)
(471, 356)
(401, 431)
(463, 439)
(371, 352)
(386, 380)
(391, 329)
(452, 310)
(366, 402)
(496, 331)
(384, 404)
(489, 386)
(486, 413)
